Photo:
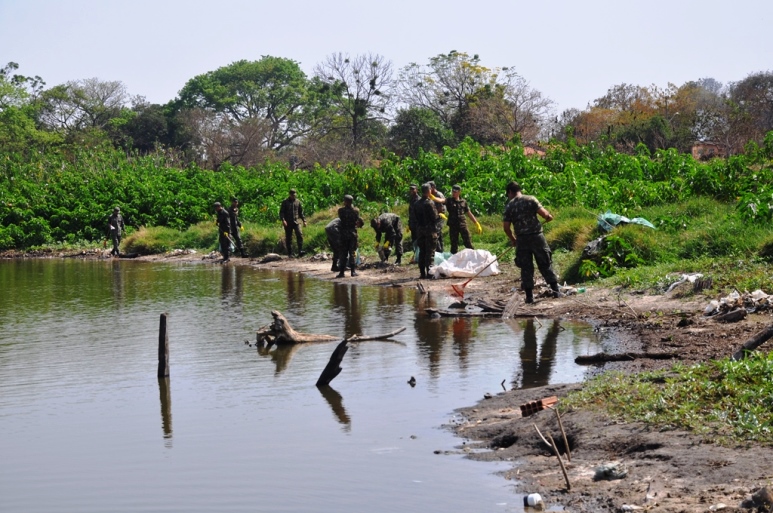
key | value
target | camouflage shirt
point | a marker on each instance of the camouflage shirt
(457, 211)
(412, 201)
(390, 225)
(348, 216)
(290, 211)
(521, 212)
(426, 215)
(223, 221)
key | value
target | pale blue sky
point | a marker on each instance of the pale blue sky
(571, 51)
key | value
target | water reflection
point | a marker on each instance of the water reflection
(346, 299)
(336, 403)
(117, 282)
(165, 393)
(537, 359)
(281, 356)
(461, 330)
(296, 291)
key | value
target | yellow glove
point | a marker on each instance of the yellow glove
(241, 228)
(477, 225)
(443, 216)
(432, 197)
(226, 234)
(377, 246)
(408, 229)
(386, 245)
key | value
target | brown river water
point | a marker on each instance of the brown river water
(86, 426)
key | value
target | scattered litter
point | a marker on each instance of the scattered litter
(176, 252)
(757, 301)
(533, 500)
(684, 279)
(608, 221)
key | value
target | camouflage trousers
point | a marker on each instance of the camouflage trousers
(454, 231)
(530, 248)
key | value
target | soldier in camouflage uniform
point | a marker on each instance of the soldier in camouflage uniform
(458, 211)
(350, 217)
(115, 222)
(426, 229)
(413, 198)
(439, 201)
(224, 231)
(236, 225)
(521, 216)
(333, 232)
(290, 212)
(390, 225)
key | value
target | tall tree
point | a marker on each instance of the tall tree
(273, 92)
(417, 129)
(360, 90)
(83, 104)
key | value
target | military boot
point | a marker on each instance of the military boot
(354, 271)
(334, 268)
(397, 262)
(529, 296)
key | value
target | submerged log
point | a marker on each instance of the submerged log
(759, 339)
(621, 357)
(280, 332)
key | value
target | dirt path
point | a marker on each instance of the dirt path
(667, 471)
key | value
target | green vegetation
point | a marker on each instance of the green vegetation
(710, 217)
(724, 401)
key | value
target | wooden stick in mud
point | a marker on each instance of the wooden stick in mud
(163, 349)
(560, 462)
(333, 367)
(563, 433)
(759, 339)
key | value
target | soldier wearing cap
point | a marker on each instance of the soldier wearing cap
(413, 198)
(223, 231)
(439, 200)
(391, 227)
(116, 227)
(426, 229)
(236, 225)
(290, 212)
(350, 217)
(458, 211)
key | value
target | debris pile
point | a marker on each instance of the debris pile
(756, 301)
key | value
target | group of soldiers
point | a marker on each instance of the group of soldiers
(427, 213)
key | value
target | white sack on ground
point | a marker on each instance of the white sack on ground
(465, 264)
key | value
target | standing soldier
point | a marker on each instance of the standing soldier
(115, 222)
(413, 198)
(457, 222)
(350, 217)
(290, 211)
(236, 225)
(333, 232)
(521, 215)
(390, 225)
(223, 231)
(439, 201)
(426, 228)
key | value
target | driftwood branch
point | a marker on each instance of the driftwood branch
(281, 332)
(759, 339)
(621, 357)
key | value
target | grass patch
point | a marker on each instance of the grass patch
(724, 401)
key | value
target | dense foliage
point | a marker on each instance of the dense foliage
(55, 197)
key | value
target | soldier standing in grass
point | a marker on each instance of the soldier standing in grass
(223, 231)
(350, 217)
(391, 227)
(521, 216)
(458, 211)
(236, 225)
(426, 229)
(290, 212)
(115, 222)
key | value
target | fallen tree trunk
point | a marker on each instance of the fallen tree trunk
(621, 357)
(280, 332)
(759, 339)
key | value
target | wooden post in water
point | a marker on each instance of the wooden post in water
(333, 367)
(163, 349)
